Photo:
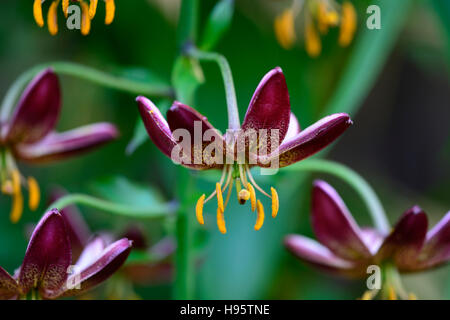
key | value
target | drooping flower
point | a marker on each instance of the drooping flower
(29, 136)
(88, 12)
(268, 115)
(47, 271)
(317, 17)
(348, 250)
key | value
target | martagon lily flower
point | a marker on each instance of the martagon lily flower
(47, 271)
(29, 136)
(348, 250)
(88, 12)
(269, 110)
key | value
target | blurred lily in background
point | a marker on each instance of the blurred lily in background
(348, 250)
(148, 264)
(317, 17)
(88, 12)
(269, 109)
(47, 271)
(28, 135)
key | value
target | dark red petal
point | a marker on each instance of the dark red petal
(270, 107)
(8, 286)
(57, 146)
(37, 111)
(47, 257)
(106, 264)
(406, 240)
(294, 127)
(436, 249)
(334, 226)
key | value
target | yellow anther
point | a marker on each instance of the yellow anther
(85, 20)
(37, 13)
(92, 8)
(110, 11)
(412, 296)
(391, 293)
(252, 196)
(322, 18)
(243, 196)
(259, 216)
(52, 18)
(312, 40)
(332, 18)
(65, 7)
(221, 221)
(367, 295)
(284, 26)
(219, 197)
(199, 209)
(17, 205)
(275, 202)
(34, 193)
(348, 24)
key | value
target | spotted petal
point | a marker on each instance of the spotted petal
(47, 257)
(57, 146)
(406, 240)
(309, 141)
(8, 286)
(37, 111)
(316, 254)
(101, 268)
(334, 226)
(436, 249)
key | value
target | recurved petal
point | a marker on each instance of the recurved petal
(316, 254)
(309, 141)
(270, 107)
(436, 249)
(406, 240)
(91, 252)
(294, 127)
(182, 118)
(38, 110)
(48, 256)
(157, 127)
(57, 146)
(106, 264)
(8, 286)
(334, 226)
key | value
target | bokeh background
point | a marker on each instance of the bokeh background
(394, 82)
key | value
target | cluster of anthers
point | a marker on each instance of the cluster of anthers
(318, 16)
(88, 12)
(11, 184)
(245, 189)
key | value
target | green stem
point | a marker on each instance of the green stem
(85, 73)
(365, 191)
(233, 111)
(150, 212)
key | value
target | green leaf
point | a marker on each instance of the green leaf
(443, 12)
(120, 190)
(140, 135)
(143, 75)
(187, 77)
(218, 23)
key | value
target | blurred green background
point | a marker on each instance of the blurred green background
(394, 82)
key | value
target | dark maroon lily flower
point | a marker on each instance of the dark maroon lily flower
(268, 122)
(29, 135)
(346, 249)
(46, 271)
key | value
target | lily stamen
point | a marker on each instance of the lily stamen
(37, 13)
(52, 18)
(34, 193)
(260, 215)
(17, 205)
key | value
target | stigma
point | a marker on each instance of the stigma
(240, 176)
(11, 184)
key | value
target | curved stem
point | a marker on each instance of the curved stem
(233, 112)
(365, 191)
(85, 73)
(150, 212)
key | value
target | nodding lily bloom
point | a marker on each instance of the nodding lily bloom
(269, 110)
(318, 17)
(28, 135)
(47, 271)
(348, 250)
(88, 12)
